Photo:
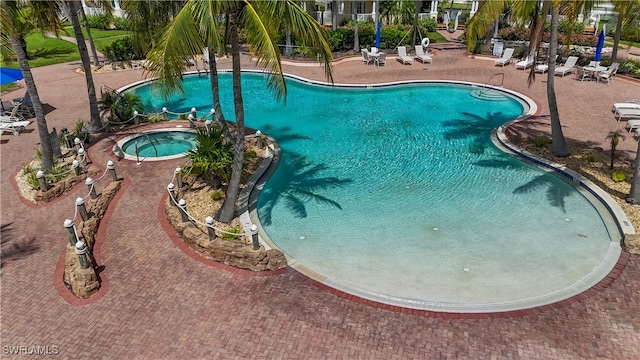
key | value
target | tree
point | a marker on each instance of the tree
(87, 28)
(94, 124)
(525, 11)
(259, 21)
(13, 16)
(627, 11)
(634, 195)
(614, 138)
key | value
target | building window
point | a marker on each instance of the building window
(359, 7)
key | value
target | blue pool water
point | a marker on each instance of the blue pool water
(398, 193)
(160, 144)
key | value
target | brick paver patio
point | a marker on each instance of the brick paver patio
(161, 303)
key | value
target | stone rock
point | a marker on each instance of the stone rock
(632, 243)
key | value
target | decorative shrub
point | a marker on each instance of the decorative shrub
(121, 23)
(121, 50)
(99, 21)
(618, 176)
(428, 25)
(235, 230)
(541, 141)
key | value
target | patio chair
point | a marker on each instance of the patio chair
(381, 59)
(24, 105)
(568, 67)
(422, 56)
(403, 57)
(13, 127)
(608, 74)
(505, 59)
(543, 68)
(627, 114)
(633, 125)
(582, 74)
(630, 104)
(365, 56)
(374, 50)
(13, 116)
(526, 63)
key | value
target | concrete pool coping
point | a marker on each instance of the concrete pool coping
(249, 204)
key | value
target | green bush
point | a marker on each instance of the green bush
(121, 50)
(592, 158)
(429, 25)
(541, 141)
(121, 23)
(99, 21)
(618, 176)
(341, 39)
(217, 195)
(235, 230)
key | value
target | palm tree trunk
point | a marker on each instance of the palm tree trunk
(415, 23)
(95, 123)
(288, 48)
(356, 36)
(43, 130)
(94, 53)
(227, 211)
(558, 141)
(616, 37)
(634, 195)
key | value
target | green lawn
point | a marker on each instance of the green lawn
(47, 51)
(98, 33)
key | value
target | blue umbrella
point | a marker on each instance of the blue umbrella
(8, 75)
(599, 46)
(378, 30)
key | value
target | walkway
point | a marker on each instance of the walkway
(162, 304)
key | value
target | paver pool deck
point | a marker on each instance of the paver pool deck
(161, 303)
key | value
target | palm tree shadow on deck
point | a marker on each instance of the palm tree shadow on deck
(296, 183)
(14, 249)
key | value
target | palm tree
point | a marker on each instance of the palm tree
(260, 21)
(529, 11)
(627, 11)
(13, 16)
(614, 137)
(74, 8)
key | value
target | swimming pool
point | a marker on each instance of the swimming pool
(155, 145)
(397, 194)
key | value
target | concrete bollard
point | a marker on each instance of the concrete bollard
(92, 189)
(165, 113)
(78, 143)
(81, 251)
(136, 119)
(71, 232)
(210, 230)
(83, 157)
(192, 125)
(194, 113)
(254, 236)
(82, 209)
(76, 167)
(182, 204)
(172, 194)
(112, 170)
(178, 177)
(260, 140)
(42, 181)
(207, 124)
(106, 125)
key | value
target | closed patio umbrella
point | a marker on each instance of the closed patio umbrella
(378, 34)
(9, 75)
(599, 47)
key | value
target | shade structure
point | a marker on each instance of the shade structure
(599, 46)
(378, 30)
(9, 75)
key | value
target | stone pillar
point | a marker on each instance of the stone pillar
(83, 157)
(434, 10)
(182, 205)
(92, 189)
(76, 167)
(260, 140)
(78, 143)
(71, 232)
(210, 230)
(178, 177)
(42, 181)
(165, 114)
(81, 208)
(136, 120)
(81, 251)
(112, 170)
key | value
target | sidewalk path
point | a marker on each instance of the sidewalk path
(162, 304)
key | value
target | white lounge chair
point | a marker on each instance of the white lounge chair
(631, 104)
(422, 56)
(505, 59)
(543, 68)
(13, 127)
(13, 116)
(403, 57)
(568, 67)
(627, 114)
(633, 125)
(526, 63)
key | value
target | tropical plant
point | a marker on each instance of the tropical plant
(211, 155)
(197, 25)
(16, 16)
(119, 105)
(614, 138)
(618, 176)
(628, 12)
